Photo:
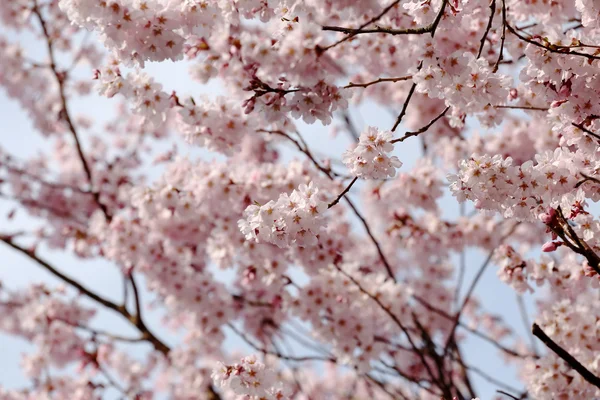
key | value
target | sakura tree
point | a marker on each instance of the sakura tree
(341, 272)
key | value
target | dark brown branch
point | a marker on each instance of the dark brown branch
(380, 80)
(586, 178)
(565, 355)
(431, 28)
(389, 31)
(326, 171)
(346, 190)
(507, 394)
(523, 108)
(136, 295)
(147, 335)
(566, 232)
(382, 256)
(475, 332)
(584, 129)
(60, 80)
(371, 21)
(502, 38)
(550, 47)
(330, 175)
(120, 309)
(405, 106)
(393, 317)
(489, 26)
(78, 286)
(109, 335)
(423, 129)
(350, 126)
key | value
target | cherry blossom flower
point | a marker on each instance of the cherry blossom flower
(370, 159)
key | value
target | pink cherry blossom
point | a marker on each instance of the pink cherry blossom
(216, 202)
(369, 159)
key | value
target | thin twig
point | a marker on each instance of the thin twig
(80, 288)
(431, 28)
(346, 190)
(380, 80)
(350, 126)
(586, 178)
(120, 309)
(405, 106)
(60, 79)
(507, 394)
(487, 29)
(330, 175)
(109, 335)
(475, 332)
(423, 129)
(523, 108)
(372, 20)
(394, 318)
(276, 353)
(462, 264)
(550, 47)
(472, 288)
(382, 256)
(525, 319)
(502, 38)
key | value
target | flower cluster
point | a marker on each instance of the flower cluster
(573, 326)
(513, 269)
(521, 192)
(467, 84)
(137, 31)
(370, 158)
(251, 379)
(224, 234)
(294, 219)
(218, 126)
(145, 95)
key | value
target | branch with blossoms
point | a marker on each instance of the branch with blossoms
(134, 319)
(431, 28)
(342, 269)
(64, 112)
(566, 356)
(559, 225)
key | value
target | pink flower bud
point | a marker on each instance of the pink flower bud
(549, 247)
(545, 218)
(548, 217)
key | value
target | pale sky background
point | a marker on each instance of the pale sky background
(16, 271)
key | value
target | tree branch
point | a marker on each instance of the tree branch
(568, 358)
(487, 29)
(431, 28)
(60, 79)
(380, 80)
(423, 129)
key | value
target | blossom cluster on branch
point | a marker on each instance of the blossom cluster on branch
(256, 257)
